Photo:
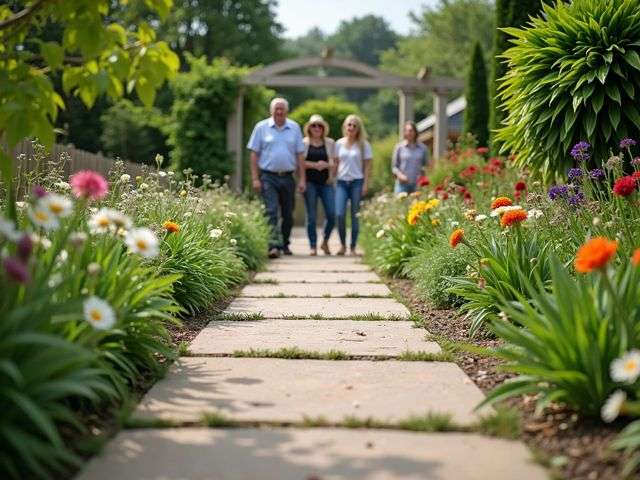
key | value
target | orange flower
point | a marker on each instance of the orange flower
(512, 217)
(635, 259)
(171, 227)
(456, 237)
(595, 253)
(501, 202)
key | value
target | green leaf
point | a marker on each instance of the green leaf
(53, 54)
(632, 58)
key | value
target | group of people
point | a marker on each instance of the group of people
(336, 173)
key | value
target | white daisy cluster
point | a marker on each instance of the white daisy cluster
(48, 210)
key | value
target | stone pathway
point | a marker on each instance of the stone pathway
(285, 416)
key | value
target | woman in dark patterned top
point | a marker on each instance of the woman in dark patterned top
(318, 155)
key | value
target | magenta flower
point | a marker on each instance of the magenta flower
(16, 270)
(25, 247)
(39, 191)
(89, 184)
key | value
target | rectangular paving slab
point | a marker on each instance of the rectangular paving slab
(318, 277)
(307, 454)
(277, 390)
(384, 339)
(317, 267)
(316, 290)
(327, 307)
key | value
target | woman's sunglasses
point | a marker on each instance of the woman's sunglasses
(316, 125)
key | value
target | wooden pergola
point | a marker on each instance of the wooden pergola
(280, 74)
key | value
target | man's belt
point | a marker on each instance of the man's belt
(282, 173)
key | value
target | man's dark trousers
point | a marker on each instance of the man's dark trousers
(278, 193)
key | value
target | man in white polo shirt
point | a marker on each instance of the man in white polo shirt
(276, 153)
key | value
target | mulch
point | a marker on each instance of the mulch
(574, 448)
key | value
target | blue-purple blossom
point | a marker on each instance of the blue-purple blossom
(576, 200)
(597, 174)
(627, 142)
(575, 174)
(580, 151)
(558, 191)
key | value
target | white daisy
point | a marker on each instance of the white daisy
(215, 233)
(119, 220)
(42, 217)
(125, 178)
(612, 407)
(380, 233)
(143, 242)
(233, 242)
(626, 368)
(58, 205)
(402, 195)
(99, 313)
(480, 218)
(100, 221)
(8, 230)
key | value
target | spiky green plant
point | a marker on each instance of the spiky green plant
(573, 75)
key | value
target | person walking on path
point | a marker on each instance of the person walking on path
(409, 159)
(276, 153)
(318, 154)
(353, 163)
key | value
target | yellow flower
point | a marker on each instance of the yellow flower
(418, 208)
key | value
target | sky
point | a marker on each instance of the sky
(299, 16)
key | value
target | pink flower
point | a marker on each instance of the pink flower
(89, 184)
(16, 270)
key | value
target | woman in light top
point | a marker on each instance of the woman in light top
(318, 154)
(353, 164)
(409, 159)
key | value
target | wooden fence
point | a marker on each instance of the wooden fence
(77, 160)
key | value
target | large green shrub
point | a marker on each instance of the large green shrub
(509, 13)
(134, 132)
(573, 76)
(476, 115)
(204, 99)
(333, 109)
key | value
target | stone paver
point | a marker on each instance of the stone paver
(277, 390)
(318, 277)
(317, 267)
(333, 290)
(388, 339)
(327, 307)
(299, 454)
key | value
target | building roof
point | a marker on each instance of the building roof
(453, 108)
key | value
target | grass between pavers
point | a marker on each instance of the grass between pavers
(295, 353)
(265, 281)
(502, 423)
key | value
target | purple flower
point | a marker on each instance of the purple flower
(16, 270)
(25, 247)
(39, 191)
(576, 200)
(580, 151)
(596, 174)
(575, 174)
(627, 142)
(558, 191)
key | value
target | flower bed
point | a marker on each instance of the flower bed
(548, 275)
(94, 273)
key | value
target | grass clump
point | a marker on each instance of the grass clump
(239, 317)
(503, 423)
(293, 353)
(443, 356)
(215, 420)
(430, 422)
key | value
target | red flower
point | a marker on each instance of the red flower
(517, 195)
(520, 186)
(482, 150)
(624, 186)
(467, 196)
(501, 202)
(423, 181)
(636, 175)
(444, 196)
(635, 259)
(89, 184)
(456, 237)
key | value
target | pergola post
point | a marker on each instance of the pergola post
(440, 136)
(405, 112)
(234, 141)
